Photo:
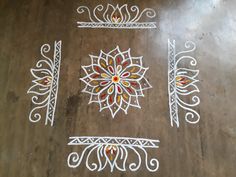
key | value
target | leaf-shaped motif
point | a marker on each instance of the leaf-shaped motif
(115, 80)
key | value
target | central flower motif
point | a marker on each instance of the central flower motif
(115, 80)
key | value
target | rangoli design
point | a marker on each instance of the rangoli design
(115, 80)
(116, 17)
(182, 83)
(45, 84)
(100, 152)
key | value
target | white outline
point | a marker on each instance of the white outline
(45, 84)
(112, 152)
(104, 91)
(182, 82)
(127, 18)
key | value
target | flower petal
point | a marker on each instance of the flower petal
(118, 69)
(94, 99)
(187, 72)
(110, 89)
(192, 88)
(134, 101)
(119, 90)
(88, 69)
(88, 89)
(94, 59)
(137, 76)
(40, 73)
(125, 74)
(103, 63)
(145, 84)
(137, 61)
(111, 70)
(126, 63)
(125, 83)
(38, 90)
(114, 52)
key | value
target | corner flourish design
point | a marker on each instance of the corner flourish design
(100, 152)
(182, 82)
(123, 17)
(45, 84)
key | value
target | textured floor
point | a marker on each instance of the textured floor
(206, 149)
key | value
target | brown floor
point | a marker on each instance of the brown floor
(206, 149)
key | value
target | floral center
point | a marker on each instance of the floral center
(116, 18)
(111, 151)
(180, 81)
(46, 81)
(115, 79)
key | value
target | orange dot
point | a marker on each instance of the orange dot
(115, 79)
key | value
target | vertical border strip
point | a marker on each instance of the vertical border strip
(182, 83)
(55, 84)
(45, 84)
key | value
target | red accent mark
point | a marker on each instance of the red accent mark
(115, 78)
(103, 95)
(126, 74)
(110, 99)
(104, 83)
(125, 64)
(118, 88)
(95, 76)
(118, 60)
(45, 81)
(134, 83)
(97, 69)
(130, 90)
(110, 68)
(183, 78)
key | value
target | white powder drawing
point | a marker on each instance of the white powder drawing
(182, 83)
(45, 84)
(115, 80)
(122, 17)
(113, 152)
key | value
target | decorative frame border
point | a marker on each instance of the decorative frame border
(45, 84)
(182, 82)
(116, 17)
(112, 152)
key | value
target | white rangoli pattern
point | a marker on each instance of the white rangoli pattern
(45, 84)
(115, 80)
(100, 152)
(181, 83)
(116, 17)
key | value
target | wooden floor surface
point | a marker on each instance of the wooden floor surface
(206, 149)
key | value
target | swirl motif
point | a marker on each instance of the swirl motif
(45, 84)
(113, 152)
(116, 17)
(182, 82)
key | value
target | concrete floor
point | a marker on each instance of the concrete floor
(206, 149)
